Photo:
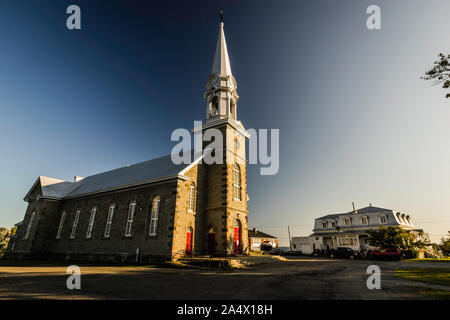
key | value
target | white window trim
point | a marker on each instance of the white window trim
(61, 225)
(30, 224)
(91, 223)
(75, 224)
(130, 218)
(109, 218)
(154, 218)
(385, 218)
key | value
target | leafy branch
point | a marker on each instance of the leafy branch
(440, 73)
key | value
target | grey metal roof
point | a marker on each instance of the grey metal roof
(55, 188)
(143, 172)
(140, 172)
(364, 210)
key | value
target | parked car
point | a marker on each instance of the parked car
(343, 252)
(386, 254)
(276, 251)
(291, 253)
(266, 247)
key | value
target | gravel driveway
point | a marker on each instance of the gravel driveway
(295, 278)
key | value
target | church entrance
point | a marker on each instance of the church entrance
(237, 237)
(189, 242)
(211, 241)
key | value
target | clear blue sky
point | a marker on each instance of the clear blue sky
(356, 122)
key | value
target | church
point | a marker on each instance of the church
(152, 211)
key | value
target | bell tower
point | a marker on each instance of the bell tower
(226, 205)
(221, 95)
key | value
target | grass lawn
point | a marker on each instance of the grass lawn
(427, 275)
(434, 294)
(447, 259)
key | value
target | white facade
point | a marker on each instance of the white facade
(351, 229)
(302, 244)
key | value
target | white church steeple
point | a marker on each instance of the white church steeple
(221, 64)
(221, 96)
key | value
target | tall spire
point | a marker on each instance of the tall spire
(221, 96)
(221, 64)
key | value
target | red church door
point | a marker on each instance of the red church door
(237, 237)
(189, 242)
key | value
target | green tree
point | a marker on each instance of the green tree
(445, 245)
(396, 237)
(4, 239)
(440, 73)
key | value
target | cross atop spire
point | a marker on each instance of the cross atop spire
(221, 64)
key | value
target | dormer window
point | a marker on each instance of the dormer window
(333, 224)
(324, 224)
(348, 221)
(383, 219)
(364, 220)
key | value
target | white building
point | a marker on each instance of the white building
(350, 229)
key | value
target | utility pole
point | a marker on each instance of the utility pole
(289, 234)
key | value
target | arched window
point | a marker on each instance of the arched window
(236, 182)
(155, 216)
(233, 110)
(61, 225)
(91, 222)
(236, 144)
(214, 106)
(109, 220)
(75, 224)
(191, 197)
(30, 224)
(130, 218)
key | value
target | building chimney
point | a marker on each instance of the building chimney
(77, 178)
(255, 230)
(354, 210)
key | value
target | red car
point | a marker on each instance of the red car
(387, 254)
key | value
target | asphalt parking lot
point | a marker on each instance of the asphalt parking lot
(294, 278)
